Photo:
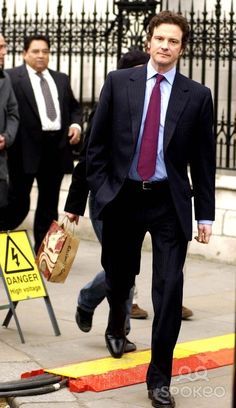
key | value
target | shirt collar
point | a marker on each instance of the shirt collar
(33, 71)
(169, 75)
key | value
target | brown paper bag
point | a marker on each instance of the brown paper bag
(57, 252)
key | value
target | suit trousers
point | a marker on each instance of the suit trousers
(49, 176)
(126, 220)
(94, 292)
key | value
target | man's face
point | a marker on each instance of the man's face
(3, 50)
(165, 46)
(37, 56)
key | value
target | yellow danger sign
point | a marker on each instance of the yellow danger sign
(18, 266)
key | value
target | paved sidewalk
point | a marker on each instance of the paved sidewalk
(209, 290)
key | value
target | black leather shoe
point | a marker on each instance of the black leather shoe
(129, 346)
(84, 319)
(161, 398)
(115, 345)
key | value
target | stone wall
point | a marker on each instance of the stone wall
(222, 246)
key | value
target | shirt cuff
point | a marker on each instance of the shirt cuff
(209, 222)
(76, 125)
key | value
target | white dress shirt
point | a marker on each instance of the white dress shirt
(47, 124)
(165, 87)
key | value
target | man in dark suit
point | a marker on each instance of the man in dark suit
(9, 121)
(49, 126)
(132, 198)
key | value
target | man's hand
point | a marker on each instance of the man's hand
(74, 134)
(72, 217)
(204, 233)
(2, 142)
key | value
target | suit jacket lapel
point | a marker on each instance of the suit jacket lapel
(178, 100)
(136, 94)
(27, 88)
(2, 77)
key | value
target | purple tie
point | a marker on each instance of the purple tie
(148, 149)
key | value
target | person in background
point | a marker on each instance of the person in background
(9, 121)
(152, 124)
(94, 292)
(49, 127)
(136, 311)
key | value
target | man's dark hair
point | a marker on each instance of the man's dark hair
(133, 58)
(28, 40)
(169, 17)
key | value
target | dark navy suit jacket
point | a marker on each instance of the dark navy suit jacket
(29, 136)
(188, 142)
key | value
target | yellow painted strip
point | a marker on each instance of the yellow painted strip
(103, 365)
(130, 360)
(204, 345)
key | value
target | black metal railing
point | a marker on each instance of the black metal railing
(86, 44)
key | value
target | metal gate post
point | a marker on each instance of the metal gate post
(133, 17)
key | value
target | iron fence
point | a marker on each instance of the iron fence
(87, 42)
